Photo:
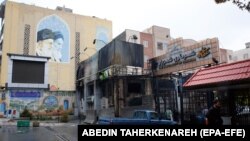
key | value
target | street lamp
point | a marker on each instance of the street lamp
(95, 40)
(89, 48)
(134, 37)
(99, 43)
(84, 50)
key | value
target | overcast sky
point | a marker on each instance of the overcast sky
(190, 19)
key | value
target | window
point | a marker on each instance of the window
(230, 57)
(223, 57)
(235, 58)
(145, 58)
(145, 43)
(154, 116)
(140, 115)
(245, 56)
(165, 45)
(159, 46)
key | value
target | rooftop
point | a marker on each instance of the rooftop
(221, 74)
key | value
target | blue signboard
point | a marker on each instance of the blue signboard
(33, 94)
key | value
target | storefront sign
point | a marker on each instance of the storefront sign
(183, 57)
(179, 58)
(203, 52)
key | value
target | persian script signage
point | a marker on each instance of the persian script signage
(183, 58)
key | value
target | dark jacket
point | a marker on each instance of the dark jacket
(214, 117)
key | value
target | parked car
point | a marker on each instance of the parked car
(140, 117)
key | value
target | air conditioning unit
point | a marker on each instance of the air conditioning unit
(90, 99)
(104, 103)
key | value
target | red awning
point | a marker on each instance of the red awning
(231, 72)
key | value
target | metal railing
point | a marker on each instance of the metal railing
(117, 70)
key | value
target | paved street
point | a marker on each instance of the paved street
(47, 131)
(12, 133)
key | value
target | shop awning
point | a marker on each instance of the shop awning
(226, 73)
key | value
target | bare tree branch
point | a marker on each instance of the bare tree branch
(242, 4)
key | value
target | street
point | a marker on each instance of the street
(46, 131)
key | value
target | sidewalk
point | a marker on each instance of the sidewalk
(5, 121)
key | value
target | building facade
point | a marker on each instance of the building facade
(226, 55)
(146, 39)
(242, 54)
(54, 41)
(171, 62)
(161, 37)
(154, 39)
(110, 83)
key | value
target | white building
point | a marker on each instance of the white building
(242, 54)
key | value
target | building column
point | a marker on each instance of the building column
(121, 95)
(116, 97)
(77, 108)
(85, 106)
(97, 95)
(148, 87)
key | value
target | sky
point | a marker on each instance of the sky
(190, 19)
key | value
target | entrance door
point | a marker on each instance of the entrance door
(2, 107)
(241, 107)
(66, 104)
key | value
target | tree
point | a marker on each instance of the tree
(242, 4)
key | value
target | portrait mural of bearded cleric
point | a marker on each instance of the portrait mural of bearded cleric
(53, 39)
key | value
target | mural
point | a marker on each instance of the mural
(53, 39)
(102, 37)
(37, 101)
(50, 102)
(20, 100)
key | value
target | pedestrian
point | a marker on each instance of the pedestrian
(213, 115)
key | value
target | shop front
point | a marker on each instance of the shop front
(230, 83)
